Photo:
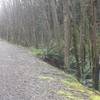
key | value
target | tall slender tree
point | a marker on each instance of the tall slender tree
(66, 12)
(93, 42)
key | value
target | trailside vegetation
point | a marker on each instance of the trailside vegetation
(64, 33)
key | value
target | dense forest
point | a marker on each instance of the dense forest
(65, 32)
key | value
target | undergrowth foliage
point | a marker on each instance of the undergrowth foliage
(64, 33)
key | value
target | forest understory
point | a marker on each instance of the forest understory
(63, 33)
(23, 76)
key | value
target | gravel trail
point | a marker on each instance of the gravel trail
(24, 77)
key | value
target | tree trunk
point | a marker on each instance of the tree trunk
(93, 41)
(66, 32)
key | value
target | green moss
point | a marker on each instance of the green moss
(37, 52)
(63, 93)
(68, 95)
(75, 85)
(72, 83)
(94, 97)
(46, 78)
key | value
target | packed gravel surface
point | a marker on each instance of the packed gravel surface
(24, 77)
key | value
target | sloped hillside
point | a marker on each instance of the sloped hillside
(70, 88)
(65, 85)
